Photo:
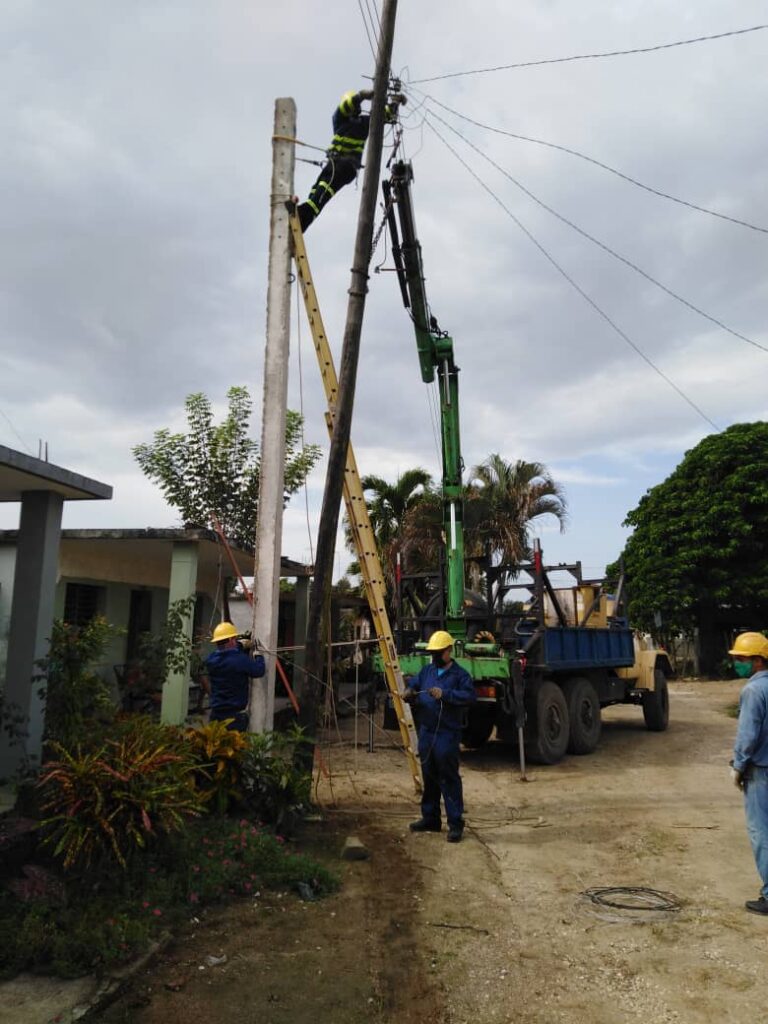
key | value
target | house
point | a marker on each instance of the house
(129, 576)
(27, 595)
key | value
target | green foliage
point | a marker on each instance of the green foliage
(212, 471)
(217, 753)
(108, 802)
(103, 919)
(169, 650)
(503, 501)
(699, 551)
(74, 693)
(274, 787)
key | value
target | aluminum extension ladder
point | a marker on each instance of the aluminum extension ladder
(357, 511)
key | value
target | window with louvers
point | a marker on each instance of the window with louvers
(82, 602)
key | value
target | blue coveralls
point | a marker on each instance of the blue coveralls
(230, 671)
(440, 723)
(750, 756)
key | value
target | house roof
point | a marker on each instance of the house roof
(142, 556)
(20, 473)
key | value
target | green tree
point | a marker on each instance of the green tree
(699, 551)
(212, 471)
(504, 499)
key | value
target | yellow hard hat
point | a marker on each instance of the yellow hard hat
(439, 640)
(223, 631)
(347, 104)
(750, 645)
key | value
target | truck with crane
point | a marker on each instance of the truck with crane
(543, 667)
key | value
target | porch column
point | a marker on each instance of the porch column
(34, 585)
(183, 584)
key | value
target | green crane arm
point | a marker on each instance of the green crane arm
(435, 349)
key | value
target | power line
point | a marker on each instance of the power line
(561, 270)
(592, 56)
(597, 163)
(367, 30)
(602, 245)
(15, 431)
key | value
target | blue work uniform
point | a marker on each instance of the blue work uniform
(750, 757)
(230, 671)
(440, 723)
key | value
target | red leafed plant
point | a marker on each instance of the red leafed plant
(106, 803)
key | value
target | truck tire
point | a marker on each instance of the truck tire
(656, 703)
(477, 733)
(583, 715)
(548, 730)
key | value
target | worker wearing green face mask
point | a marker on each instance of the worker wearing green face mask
(749, 767)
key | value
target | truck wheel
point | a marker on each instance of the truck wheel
(656, 703)
(583, 715)
(477, 734)
(548, 737)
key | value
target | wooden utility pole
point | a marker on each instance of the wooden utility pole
(342, 416)
(269, 525)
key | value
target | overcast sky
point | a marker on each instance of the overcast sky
(134, 197)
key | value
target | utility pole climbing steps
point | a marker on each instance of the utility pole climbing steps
(357, 510)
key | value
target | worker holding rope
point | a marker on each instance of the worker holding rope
(440, 695)
(345, 153)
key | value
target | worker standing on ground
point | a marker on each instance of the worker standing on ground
(440, 694)
(230, 670)
(749, 767)
(345, 153)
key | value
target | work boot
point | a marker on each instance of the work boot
(455, 832)
(306, 215)
(758, 906)
(422, 825)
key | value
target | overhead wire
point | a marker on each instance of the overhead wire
(574, 284)
(597, 163)
(602, 245)
(367, 30)
(15, 431)
(593, 56)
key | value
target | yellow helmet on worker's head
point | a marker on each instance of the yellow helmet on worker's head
(750, 645)
(439, 640)
(347, 104)
(223, 631)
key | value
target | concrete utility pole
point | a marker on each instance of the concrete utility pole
(269, 525)
(334, 480)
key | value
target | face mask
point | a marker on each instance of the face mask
(743, 669)
(437, 658)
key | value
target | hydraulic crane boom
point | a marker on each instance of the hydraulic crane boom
(435, 349)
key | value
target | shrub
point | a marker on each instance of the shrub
(217, 754)
(74, 693)
(274, 788)
(106, 803)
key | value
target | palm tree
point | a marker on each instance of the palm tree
(504, 500)
(388, 508)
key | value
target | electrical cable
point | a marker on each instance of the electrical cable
(593, 56)
(627, 897)
(15, 431)
(367, 30)
(588, 298)
(602, 245)
(597, 163)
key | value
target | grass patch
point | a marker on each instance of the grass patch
(88, 922)
(731, 710)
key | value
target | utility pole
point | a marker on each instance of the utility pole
(269, 524)
(342, 418)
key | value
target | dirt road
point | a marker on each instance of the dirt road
(496, 930)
